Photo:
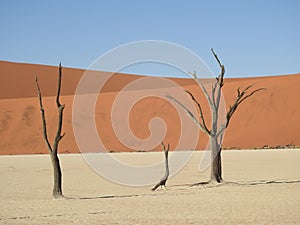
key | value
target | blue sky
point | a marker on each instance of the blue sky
(253, 38)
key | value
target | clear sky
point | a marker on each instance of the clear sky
(253, 38)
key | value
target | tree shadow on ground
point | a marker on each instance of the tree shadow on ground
(263, 182)
(103, 197)
(208, 184)
(186, 187)
(116, 196)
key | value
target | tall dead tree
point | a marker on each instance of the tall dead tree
(164, 179)
(216, 130)
(57, 185)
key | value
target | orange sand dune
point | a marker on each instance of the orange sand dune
(270, 118)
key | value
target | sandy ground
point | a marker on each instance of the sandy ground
(262, 187)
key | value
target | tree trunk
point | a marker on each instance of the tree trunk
(57, 174)
(163, 180)
(216, 165)
(57, 190)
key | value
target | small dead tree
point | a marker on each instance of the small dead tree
(164, 179)
(217, 130)
(57, 188)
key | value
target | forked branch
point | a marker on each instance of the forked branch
(208, 97)
(242, 95)
(60, 107)
(189, 113)
(220, 77)
(200, 112)
(217, 87)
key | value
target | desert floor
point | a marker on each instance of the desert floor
(262, 187)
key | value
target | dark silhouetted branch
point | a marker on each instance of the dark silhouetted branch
(189, 113)
(200, 112)
(242, 95)
(45, 134)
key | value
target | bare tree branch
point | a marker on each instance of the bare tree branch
(59, 85)
(60, 107)
(43, 116)
(221, 75)
(213, 93)
(241, 96)
(200, 111)
(58, 136)
(189, 113)
(166, 151)
(220, 80)
(216, 57)
(252, 93)
(203, 88)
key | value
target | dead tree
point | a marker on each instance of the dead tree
(216, 130)
(57, 188)
(164, 179)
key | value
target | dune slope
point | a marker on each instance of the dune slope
(269, 118)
